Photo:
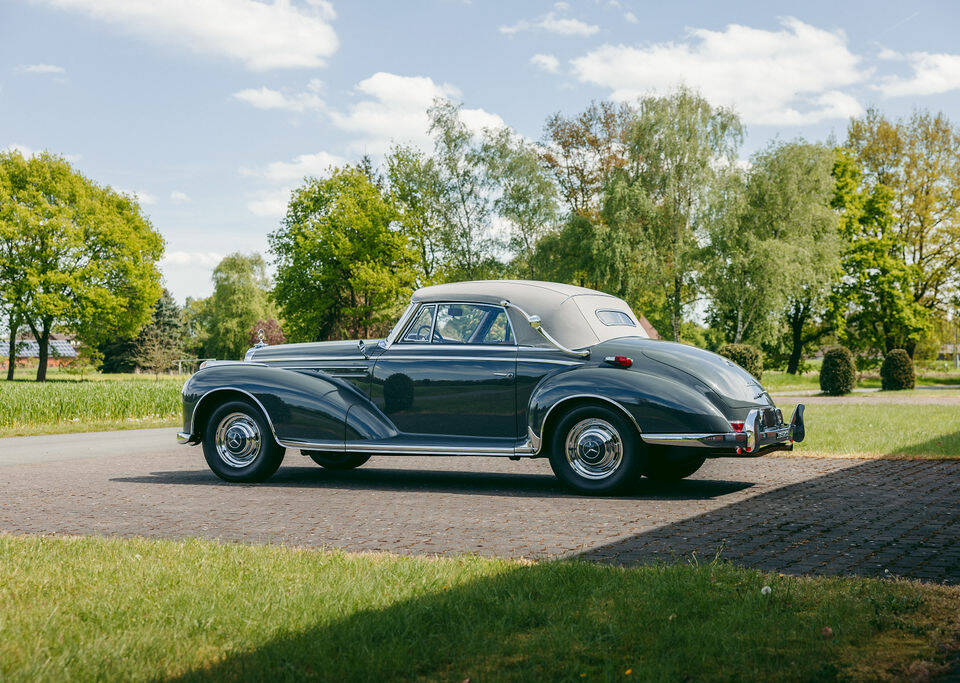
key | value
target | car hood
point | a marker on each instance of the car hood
(326, 350)
(734, 385)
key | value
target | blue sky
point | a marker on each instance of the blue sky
(211, 110)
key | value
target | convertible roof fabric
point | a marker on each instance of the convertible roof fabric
(567, 312)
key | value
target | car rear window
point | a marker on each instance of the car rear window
(611, 317)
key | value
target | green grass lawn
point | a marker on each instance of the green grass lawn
(74, 405)
(888, 429)
(93, 608)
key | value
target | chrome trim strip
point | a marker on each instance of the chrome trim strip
(536, 440)
(408, 449)
(534, 321)
(692, 440)
(311, 358)
(471, 358)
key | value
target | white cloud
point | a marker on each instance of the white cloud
(142, 197)
(932, 74)
(41, 69)
(551, 23)
(178, 197)
(301, 166)
(631, 17)
(260, 35)
(561, 6)
(265, 98)
(546, 62)
(396, 111)
(30, 152)
(792, 76)
(190, 259)
(270, 203)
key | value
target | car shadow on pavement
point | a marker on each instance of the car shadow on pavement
(444, 481)
(883, 518)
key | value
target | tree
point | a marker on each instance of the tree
(343, 266)
(918, 160)
(120, 355)
(773, 251)
(675, 148)
(874, 306)
(73, 253)
(526, 198)
(241, 296)
(415, 191)
(584, 152)
(156, 351)
(464, 206)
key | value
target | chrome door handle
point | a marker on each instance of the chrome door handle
(508, 375)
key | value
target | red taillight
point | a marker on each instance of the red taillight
(737, 426)
(621, 361)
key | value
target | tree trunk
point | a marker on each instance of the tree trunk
(675, 308)
(14, 325)
(44, 342)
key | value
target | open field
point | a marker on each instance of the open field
(92, 608)
(68, 405)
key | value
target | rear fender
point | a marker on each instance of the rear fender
(653, 403)
(302, 409)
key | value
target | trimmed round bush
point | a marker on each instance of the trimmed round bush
(897, 371)
(838, 373)
(747, 357)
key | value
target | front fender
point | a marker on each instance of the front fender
(301, 408)
(656, 404)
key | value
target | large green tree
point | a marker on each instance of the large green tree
(773, 251)
(241, 296)
(73, 253)
(167, 325)
(343, 262)
(676, 147)
(874, 305)
(918, 159)
(416, 191)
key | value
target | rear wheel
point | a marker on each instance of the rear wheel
(595, 450)
(667, 466)
(238, 444)
(337, 461)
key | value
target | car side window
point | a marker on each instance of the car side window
(611, 317)
(472, 324)
(419, 330)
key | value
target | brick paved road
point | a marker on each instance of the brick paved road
(785, 514)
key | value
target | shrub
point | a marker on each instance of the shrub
(747, 357)
(838, 373)
(897, 371)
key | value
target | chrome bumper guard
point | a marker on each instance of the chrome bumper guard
(183, 437)
(751, 441)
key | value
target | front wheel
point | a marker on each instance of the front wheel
(337, 461)
(595, 450)
(238, 444)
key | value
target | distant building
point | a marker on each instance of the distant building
(62, 349)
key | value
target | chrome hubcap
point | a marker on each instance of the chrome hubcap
(238, 439)
(594, 449)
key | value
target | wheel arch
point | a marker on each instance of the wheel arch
(207, 404)
(565, 405)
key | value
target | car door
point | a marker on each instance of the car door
(452, 371)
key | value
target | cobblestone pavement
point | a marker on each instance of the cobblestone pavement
(790, 514)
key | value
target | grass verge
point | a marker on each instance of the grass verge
(880, 430)
(94, 608)
(75, 406)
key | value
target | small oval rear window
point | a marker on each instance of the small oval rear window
(611, 317)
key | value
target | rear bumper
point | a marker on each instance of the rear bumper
(755, 439)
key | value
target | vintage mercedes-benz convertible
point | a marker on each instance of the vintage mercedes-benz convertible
(520, 369)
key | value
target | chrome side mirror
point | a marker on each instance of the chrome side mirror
(361, 347)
